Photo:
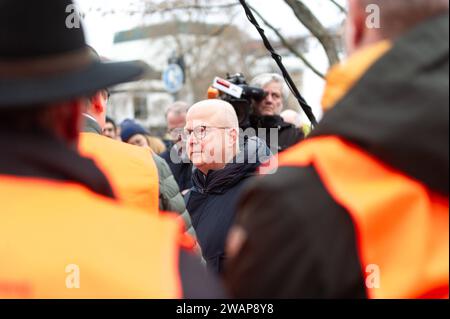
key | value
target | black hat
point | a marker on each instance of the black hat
(44, 57)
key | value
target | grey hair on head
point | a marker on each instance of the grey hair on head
(264, 79)
(179, 108)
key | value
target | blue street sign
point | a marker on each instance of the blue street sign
(173, 78)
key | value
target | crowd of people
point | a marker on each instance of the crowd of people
(357, 208)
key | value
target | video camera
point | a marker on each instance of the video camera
(238, 93)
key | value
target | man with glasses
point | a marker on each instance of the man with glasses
(212, 143)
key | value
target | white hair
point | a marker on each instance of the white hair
(264, 79)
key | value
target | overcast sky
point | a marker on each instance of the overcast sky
(100, 29)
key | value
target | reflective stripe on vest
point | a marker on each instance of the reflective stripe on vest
(131, 170)
(60, 240)
(402, 227)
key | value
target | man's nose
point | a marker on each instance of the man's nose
(192, 140)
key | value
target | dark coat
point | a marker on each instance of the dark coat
(182, 171)
(288, 134)
(212, 202)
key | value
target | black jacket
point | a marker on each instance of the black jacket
(288, 134)
(303, 244)
(181, 170)
(212, 201)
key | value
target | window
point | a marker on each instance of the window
(140, 107)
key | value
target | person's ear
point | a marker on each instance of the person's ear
(233, 140)
(67, 120)
(235, 135)
(355, 25)
(98, 103)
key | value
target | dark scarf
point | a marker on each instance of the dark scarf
(218, 182)
(254, 151)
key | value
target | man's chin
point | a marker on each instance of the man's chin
(196, 159)
(201, 167)
(267, 112)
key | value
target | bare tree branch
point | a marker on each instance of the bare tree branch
(167, 9)
(310, 21)
(341, 8)
(286, 43)
(194, 7)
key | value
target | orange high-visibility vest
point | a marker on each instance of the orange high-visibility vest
(131, 170)
(60, 240)
(402, 226)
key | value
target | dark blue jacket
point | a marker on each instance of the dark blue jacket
(182, 171)
(212, 203)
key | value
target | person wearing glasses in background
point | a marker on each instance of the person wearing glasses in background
(175, 156)
(222, 168)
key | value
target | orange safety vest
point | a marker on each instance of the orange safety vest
(60, 240)
(402, 226)
(131, 170)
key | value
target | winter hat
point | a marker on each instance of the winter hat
(130, 129)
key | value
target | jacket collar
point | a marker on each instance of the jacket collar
(342, 77)
(218, 182)
(45, 157)
(91, 125)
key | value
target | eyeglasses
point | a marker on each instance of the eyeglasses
(175, 133)
(200, 132)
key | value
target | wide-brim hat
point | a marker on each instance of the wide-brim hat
(44, 57)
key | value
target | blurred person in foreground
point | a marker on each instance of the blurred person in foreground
(64, 234)
(361, 208)
(131, 172)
